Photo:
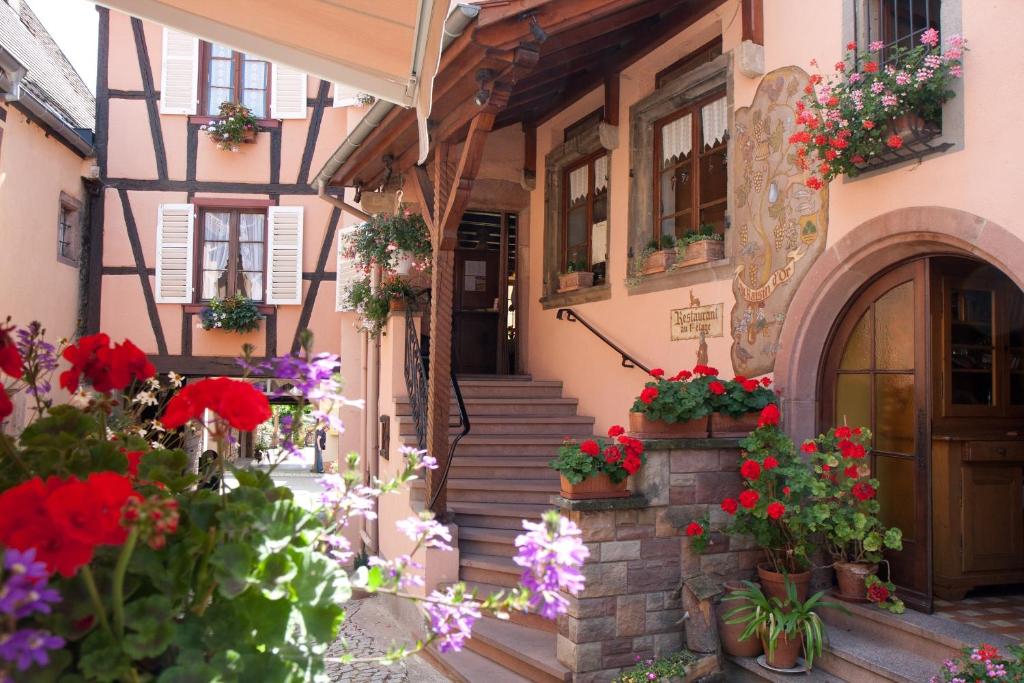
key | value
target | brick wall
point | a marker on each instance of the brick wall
(640, 555)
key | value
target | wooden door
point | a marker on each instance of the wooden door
(876, 376)
(993, 529)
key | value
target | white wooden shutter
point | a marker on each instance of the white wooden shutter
(346, 273)
(174, 231)
(345, 96)
(288, 93)
(284, 261)
(179, 75)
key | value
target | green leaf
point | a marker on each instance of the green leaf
(232, 563)
(374, 578)
(275, 572)
(189, 673)
(322, 622)
(101, 658)
(150, 625)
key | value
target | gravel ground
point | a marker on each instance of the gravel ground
(368, 631)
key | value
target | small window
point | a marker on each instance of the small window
(690, 172)
(231, 76)
(896, 23)
(69, 235)
(585, 215)
(231, 255)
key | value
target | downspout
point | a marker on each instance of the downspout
(373, 414)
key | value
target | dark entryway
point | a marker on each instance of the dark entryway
(484, 302)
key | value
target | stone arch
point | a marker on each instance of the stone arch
(846, 266)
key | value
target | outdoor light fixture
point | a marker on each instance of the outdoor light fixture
(539, 34)
(483, 95)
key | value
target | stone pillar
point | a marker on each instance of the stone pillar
(640, 556)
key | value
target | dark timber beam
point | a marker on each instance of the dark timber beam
(753, 21)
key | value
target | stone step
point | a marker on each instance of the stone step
(874, 658)
(532, 621)
(500, 571)
(522, 467)
(497, 515)
(509, 388)
(528, 652)
(469, 667)
(483, 541)
(484, 445)
(532, 491)
(479, 406)
(502, 425)
(747, 670)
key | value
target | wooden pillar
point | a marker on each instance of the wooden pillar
(439, 384)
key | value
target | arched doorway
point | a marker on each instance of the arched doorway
(930, 356)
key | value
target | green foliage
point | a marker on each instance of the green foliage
(665, 668)
(234, 314)
(574, 464)
(676, 401)
(235, 121)
(617, 457)
(983, 663)
(374, 305)
(704, 232)
(742, 396)
(578, 265)
(386, 237)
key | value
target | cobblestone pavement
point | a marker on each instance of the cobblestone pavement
(368, 630)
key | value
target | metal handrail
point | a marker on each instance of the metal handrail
(464, 423)
(415, 378)
(627, 360)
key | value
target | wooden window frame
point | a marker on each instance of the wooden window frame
(692, 60)
(72, 207)
(589, 161)
(233, 246)
(237, 61)
(697, 153)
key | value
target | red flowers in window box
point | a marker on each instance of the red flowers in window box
(581, 465)
(238, 403)
(106, 368)
(648, 394)
(750, 469)
(770, 463)
(770, 416)
(590, 447)
(716, 388)
(863, 491)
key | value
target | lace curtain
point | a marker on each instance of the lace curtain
(600, 174)
(676, 140)
(579, 184)
(714, 119)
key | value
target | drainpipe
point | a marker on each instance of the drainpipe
(372, 414)
(338, 202)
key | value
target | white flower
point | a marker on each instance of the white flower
(79, 399)
(175, 379)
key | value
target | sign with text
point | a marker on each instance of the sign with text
(688, 323)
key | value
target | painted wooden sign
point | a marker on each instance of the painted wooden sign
(690, 323)
(780, 224)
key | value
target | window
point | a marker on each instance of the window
(68, 230)
(690, 172)
(585, 215)
(231, 253)
(234, 77)
(896, 23)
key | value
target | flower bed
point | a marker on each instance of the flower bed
(859, 112)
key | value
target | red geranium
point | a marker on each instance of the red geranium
(716, 388)
(770, 463)
(590, 447)
(750, 469)
(612, 455)
(10, 359)
(785, 490)
(107, 368)
(871, 67)
(705, 370)
(852, 449)
(863, 491)
(776, 509)
(694, 529)
(90, 511)
(878, 593)
(649, 394)
(632, 463)
(749, 498)
(987, 652)
(750, 384)
(809, 447)
(134, 458)
(657, 372)
(730, 506)
(851, 472)
(615, 430)
(240, 404)
(681, 375)
(770, 416)
(843, 432)
(894, 141)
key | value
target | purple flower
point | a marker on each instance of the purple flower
(418, 458)
(339, 548)
(451, 618)
(28, 646)
(427, 530)
(551, 553)
(357, 500)
(24, 590)
(40, 358)
(397, 570)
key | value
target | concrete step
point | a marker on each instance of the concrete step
(503, 425)
(477, 407)
(500, 571)
(469, 667)
(874, 658)
(482, 445)
(510, 388)
(523, 467)
(747, 670)
(483, 541)
(528, 652)
(531, 491)
(532, 621)
(495, 515)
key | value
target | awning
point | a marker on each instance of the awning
(385, 48)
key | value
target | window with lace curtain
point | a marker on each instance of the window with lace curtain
(230, 76)
(585, 215)
(690, 171)
(231, 253)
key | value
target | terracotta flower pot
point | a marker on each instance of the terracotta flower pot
(642, 427)
(723, 424)
(659, 261)
(569, 282)
(786, 651)
(705, 250)
(773, 583)
(730, 633)
(850, 577)
(597, 486)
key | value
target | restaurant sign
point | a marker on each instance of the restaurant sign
(689, 323)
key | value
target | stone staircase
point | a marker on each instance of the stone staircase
(868, 645)
(499, 477)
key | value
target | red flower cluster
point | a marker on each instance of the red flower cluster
(10, 364)
(749, 498)
(657, 372)
(750, 469)
(680, 376)
(878, 593)
(863, 491)
(730, 506)
(987, 652)
(240, 404)
(156, 517)
(706, 370)
(775, 509)
(65, 519)
(694, 529)
(634, 449)
(107, 368)
(809, 447)
(770, 416)
(616, 430)
(716, 388)
(590, 447)
(649, 394)
(851, 449)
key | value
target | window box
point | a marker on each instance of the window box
(703, 251)
(919, 140)
(659, 261)
(570, 282)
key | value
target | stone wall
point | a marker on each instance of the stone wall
(640, 555)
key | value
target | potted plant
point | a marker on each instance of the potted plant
(673, 407)
(845, 497)
(236, 313)
(597, 468)
(374, 305)
(576, 276)
(731, 631)
(659, 255)
(785, 625)
(235, 125)
(703, 245)
(398, 242)
(737, 404)
(873, 104)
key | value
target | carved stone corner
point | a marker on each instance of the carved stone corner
(528, 180)
(609, 135)
(750, 59)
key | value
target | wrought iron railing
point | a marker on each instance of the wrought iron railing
(627, 360)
